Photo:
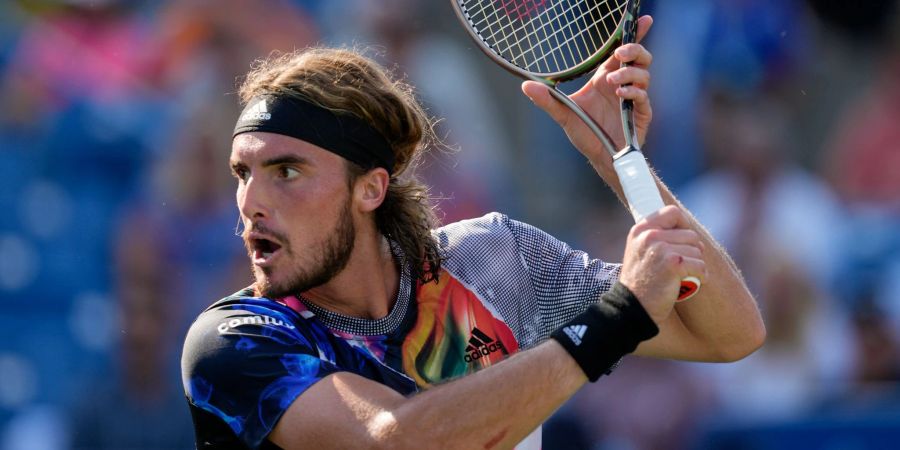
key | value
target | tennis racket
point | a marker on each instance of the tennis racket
(551, 41)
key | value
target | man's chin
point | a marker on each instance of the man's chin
(271, 287)
(265, 288)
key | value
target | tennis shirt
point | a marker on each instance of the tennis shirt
(504, 286)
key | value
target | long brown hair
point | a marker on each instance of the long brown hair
(347, 82)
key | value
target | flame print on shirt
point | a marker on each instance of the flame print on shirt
(435, 349)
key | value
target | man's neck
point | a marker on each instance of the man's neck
(367, 288)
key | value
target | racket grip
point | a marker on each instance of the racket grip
(643, 199)
(640, 188)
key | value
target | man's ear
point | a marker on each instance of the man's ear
(370, 189)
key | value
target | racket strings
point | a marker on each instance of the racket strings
(561, 44)
(555, 49)
(568, 43)
(534, 54)
(539, 17)
(557, 38)
(583, 49)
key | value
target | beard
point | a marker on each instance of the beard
(329, 259)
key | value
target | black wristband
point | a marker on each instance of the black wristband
(606, 331)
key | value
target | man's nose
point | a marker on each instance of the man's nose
(252, 199)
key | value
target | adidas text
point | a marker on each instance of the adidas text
(259, 111)
(256, 116)
(477, 354)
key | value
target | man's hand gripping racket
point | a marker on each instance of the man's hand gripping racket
(550, 41)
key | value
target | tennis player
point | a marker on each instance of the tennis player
(367, 327)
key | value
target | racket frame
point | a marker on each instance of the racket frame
(552, 80)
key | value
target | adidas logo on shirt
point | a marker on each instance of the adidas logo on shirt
(259, 111)
(575, 333)
(480, 345)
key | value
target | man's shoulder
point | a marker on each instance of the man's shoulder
(245, 301)
(486, 223)
(243, 315)
(465, 233)
(480, 249)
(492, 233)
(245, 294)
(245, 359)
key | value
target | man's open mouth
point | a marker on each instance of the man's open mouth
(263, 250)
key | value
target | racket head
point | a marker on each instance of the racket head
(545, 40)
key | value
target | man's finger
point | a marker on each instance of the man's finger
(540, 95)
(692, 267)
(644, 24)
(629, 75)
(687, 251)
(678, 236)
(667, 218)
(632, 93)
(635, 54)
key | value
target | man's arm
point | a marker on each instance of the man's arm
(494, 408)
(722, 322)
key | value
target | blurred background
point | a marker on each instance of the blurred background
(776, 121)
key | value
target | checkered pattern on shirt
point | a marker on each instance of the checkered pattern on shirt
(364, 327)
(531, 280)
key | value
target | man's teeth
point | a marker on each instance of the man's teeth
(266, 254)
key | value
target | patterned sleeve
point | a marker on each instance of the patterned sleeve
(245, 364)
(565, 281)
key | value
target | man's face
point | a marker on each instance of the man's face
(296, 207)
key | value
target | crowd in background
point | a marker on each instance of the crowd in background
(777, 122)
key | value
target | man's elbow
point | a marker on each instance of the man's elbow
(385, 431)
(748, 342)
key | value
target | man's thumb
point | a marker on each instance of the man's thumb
(540, 94)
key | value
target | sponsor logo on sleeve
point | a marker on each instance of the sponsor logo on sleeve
(252, 320)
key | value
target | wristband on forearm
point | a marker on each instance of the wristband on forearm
(606, 331)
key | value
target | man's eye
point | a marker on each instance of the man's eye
(240, 173)
(288, 172)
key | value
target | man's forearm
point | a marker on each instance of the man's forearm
(494, 408)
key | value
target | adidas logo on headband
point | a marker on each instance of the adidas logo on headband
(259, 111)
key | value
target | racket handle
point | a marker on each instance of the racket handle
(643, 199)
(638, 184)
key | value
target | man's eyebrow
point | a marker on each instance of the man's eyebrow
(286, 159)
(274, 161)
